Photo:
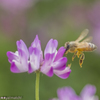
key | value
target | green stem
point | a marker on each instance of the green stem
(37, 85)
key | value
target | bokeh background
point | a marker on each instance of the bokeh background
(63, 20)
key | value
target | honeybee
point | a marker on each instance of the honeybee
(78, 47)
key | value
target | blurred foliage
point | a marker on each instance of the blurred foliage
(48, 19)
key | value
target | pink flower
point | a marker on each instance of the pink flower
(67, 93)
(32, 60)
(53, 61)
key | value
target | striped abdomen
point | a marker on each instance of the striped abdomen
(85, 46)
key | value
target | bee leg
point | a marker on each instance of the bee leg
(66, 52)
(81, 59)
(79, 53)
(74, 55)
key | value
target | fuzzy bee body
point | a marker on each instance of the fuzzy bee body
(78, 47)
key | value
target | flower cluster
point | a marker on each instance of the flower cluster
(31, 60)
(67, 93)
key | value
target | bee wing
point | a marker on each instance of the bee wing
(89, 39)
(83, 34)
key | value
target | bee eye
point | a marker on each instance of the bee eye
(67, 47)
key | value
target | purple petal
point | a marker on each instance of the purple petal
(22, 65)
(46, 68)
(67, 93)
(23, 57)
(36, 43)
(48, 72)
(35, 56)
(51, 46)
(49, 58)
(88, 92)
(47, 63)
(14, 68)
(21, 45)
(30, 69)
(60, 53)
(60, 63)
(63, 73)
(12, 56)
(17, 67)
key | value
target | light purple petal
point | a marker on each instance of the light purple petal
(36, 43)
(60, 63)
(49, 59)
(60, 53)
(46, 68)
(47, 62)
(21, 45)
(23, 58)
(67, 93)
(12, 56)
(17, 67)
(35, 56)
(20, 65)
(51, 47)
(19, 59)
(23, 61)
(88, 92)
(63, 73)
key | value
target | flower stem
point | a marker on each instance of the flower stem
(37, 85)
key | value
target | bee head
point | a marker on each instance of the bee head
(67, 46)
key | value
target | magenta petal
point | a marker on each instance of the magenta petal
(36, 43)
(30, 70)
(49, 72)
(14, 68)
(61, 67)
(63, 73)
(51, 46)
(11, 56)
(21, 45)
(60, 63)
(60, 53)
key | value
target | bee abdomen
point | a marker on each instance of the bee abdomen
(92, 46)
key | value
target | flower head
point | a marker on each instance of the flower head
(53, 61)
(67, 93)
(32, 60)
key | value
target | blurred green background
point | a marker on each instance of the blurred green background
(63, 20)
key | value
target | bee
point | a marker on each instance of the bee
(78, 47)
